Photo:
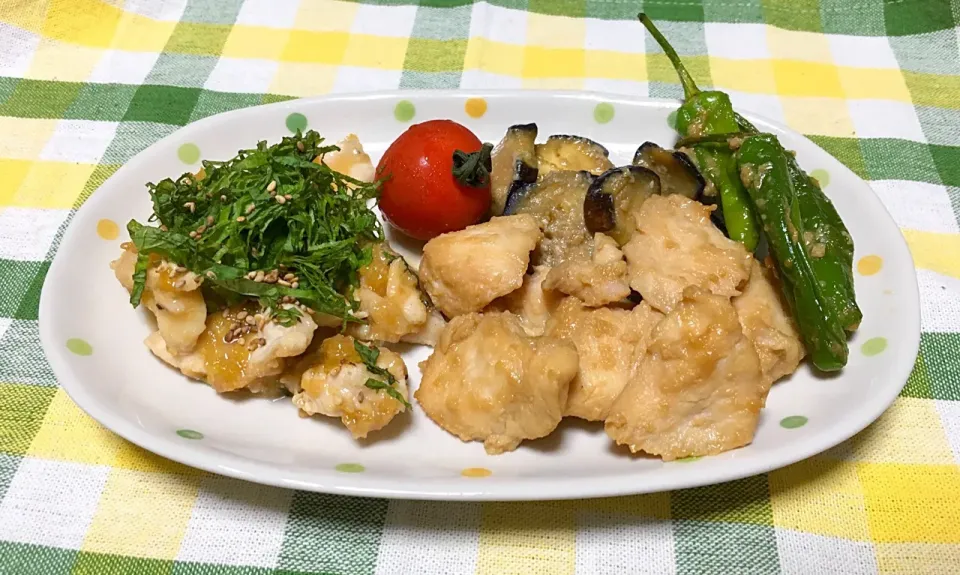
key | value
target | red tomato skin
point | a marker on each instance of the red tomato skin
(420, 196)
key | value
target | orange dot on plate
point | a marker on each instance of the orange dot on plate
(475, 107)
(476, 472)
(108, 229)
(869, 265)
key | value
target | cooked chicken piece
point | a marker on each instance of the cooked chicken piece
(487, 380)
(464, 271)
(254, 361)
(172, 294)
(699, 389)
(390, 301)
(767, 323)
(351, 160)
(598, 281)
(677, 247)
(530, 303)
(429, 334)
(336, 386)
(609, 343)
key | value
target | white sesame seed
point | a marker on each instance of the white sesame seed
(190, 206)
(272, 185)
(223, 198)
(295, 285)
(251, 320)
(241, 219)
(284, 283)
(193, 235)
(289, 276)
(201, 229)
(281, 200)
(251, 275)
(259, 277)
(210, 220)
(242, 314)
(287, 196)
(300, 146)
(163, 228)
(250, 208)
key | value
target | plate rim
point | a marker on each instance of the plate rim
(514, 488)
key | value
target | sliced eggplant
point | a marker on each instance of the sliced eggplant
(556, 201)
(574, 153)
(514, 164)
(678, 175)
(612, 197)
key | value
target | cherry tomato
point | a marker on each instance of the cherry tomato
(420, 195)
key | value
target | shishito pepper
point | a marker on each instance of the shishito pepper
(707, 113)
(791, 229)
(829, 244)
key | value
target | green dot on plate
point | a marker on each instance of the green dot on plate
(793, 421)
(873, 346)
(189, 434)
(689, 459)
(188, 153)
(404, 111)
(822, 176)
(603, 113)
(296, 121)
(672, 120)
(79, 346)
(350, 468)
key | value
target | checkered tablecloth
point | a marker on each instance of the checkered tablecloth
(86, 84)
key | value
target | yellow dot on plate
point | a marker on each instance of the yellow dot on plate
(475, 107)
(476, 472)
(869, 265)
(108, 229)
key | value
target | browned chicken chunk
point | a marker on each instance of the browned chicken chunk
(464, 271)
(676, 247)
(598, 281)
(609, 343)
(488, 381)
(769, 325)
(531, 303)
(698, 390)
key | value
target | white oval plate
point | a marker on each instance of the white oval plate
(125, 388)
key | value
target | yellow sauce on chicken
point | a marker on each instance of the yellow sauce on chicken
(226, 362)
(338, 350)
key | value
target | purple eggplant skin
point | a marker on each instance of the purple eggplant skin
(678, 175)
(613, 195)
(514, 164)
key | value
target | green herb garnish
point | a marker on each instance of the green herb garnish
(369, 355)
(269, 209)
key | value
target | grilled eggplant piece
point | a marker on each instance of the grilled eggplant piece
(514, 164)
(677, 173)
(573, 153)
(612, 197)
(556, 201)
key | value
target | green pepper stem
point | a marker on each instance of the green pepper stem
(689, 86)
(473, 169)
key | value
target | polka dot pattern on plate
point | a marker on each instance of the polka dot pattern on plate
(475, 107)
(690, 459)
(79, 346)
(821, 176)
(188, 153)
(108, 229)
(873, 346)
(603, 112)
(793, 422)
(476, 472)
(350, 468)
(404, 111)
(869, 265)
(189, 434)
(296, 121)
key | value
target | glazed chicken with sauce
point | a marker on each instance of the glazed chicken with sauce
(335, 386)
